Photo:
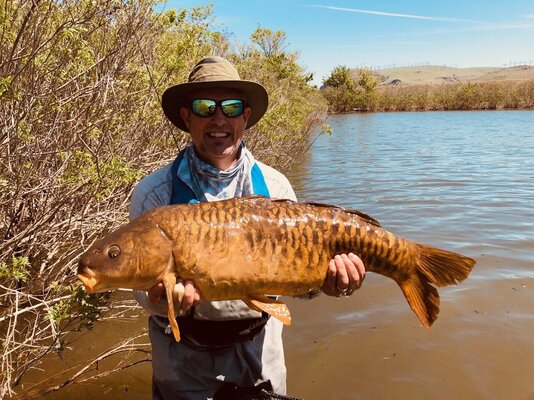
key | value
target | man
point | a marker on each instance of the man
(223, 343)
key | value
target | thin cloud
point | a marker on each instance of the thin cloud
(397, 15)
(481, 28)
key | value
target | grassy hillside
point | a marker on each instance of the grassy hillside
(434, 74)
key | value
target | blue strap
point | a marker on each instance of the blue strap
(258, 181)
(182, 194)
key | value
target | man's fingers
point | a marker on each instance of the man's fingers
(342, 276)
(189, 296)
(156, 293)
(184, 295)
(178, 293)
(356, 271)
(196, 299)
(329, 286)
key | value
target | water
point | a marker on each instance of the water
(463, 181)
(464, 178)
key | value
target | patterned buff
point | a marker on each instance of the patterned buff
(210, 183)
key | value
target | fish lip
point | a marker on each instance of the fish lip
(88, 281)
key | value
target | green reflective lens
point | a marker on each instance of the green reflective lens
(232, 108)
(207, 107)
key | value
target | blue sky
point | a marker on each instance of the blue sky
(328, 33)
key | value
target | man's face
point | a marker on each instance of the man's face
(216, 138)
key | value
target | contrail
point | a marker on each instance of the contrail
(388, 14)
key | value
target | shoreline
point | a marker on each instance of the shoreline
(429, 110)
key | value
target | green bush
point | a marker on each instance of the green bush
(345, 92)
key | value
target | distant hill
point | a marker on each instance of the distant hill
(433, 74)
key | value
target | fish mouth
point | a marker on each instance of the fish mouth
(88, 281)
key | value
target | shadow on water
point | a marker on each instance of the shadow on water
(463, 181)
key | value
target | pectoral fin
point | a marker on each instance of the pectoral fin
(170, 281)
(275, 308)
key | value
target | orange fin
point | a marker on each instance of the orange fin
(433, 267)
(170, 281)
(272, 307)
(423, 299)
(443, 267)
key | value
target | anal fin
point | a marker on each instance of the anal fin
(275, 308)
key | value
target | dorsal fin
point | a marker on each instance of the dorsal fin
(254, 197)
(367, 218)
(283, 201)
(313, 203)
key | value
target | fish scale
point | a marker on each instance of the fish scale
(251, 247)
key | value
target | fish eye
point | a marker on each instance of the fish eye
(114, 251)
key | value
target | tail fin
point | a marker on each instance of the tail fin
(433, 267)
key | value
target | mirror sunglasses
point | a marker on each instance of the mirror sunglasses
(207, 107)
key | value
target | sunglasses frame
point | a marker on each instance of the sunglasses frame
(220, 105)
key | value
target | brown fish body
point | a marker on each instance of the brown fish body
(261, 246)
(248, 248)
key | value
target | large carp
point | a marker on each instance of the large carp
(248, 248)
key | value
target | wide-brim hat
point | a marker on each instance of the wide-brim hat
(214, 72)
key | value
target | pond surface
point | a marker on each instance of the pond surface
(463, 181)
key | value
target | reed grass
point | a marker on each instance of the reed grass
(492, 95)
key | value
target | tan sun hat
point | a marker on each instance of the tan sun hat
(214, 72)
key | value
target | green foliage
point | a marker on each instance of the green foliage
(106, 176)
(19, 269)
(79, 306)
(60, 311)
(344, 92)
(367, 80)
(340, 77)
(270, 43)
(6, 88)
(326, 130)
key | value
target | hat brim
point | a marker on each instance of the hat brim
(176, 96)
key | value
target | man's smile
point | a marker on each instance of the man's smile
(218, 134)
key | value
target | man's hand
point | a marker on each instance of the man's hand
(191, 296)
(345, 274)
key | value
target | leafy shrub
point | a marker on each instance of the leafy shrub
(80, 87)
